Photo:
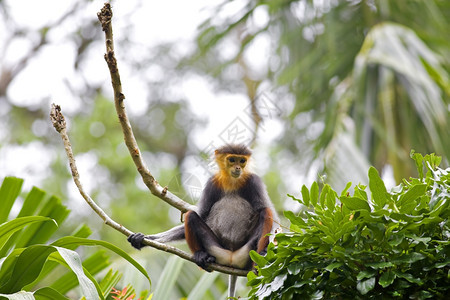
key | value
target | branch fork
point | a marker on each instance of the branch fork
(58, 121)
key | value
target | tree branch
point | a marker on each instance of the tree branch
(104, 17)
(58, 121)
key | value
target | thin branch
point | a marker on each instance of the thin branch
(104, 17)
(58, 121)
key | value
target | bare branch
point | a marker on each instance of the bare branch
(105, 16)
(58, 121)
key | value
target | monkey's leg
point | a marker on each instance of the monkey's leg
(264, 227)
(258, 241)
(202, 241)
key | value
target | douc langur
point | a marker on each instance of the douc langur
(233, 216)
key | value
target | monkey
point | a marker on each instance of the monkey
(233, 217)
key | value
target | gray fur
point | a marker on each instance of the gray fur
(232, 219)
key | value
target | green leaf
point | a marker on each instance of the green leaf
(88, 288)
(366, 274)
(305, 195)
(297, 222)
(408, 277)
(27, 267)
(257, 258)
(47, 293)
(345, 190)
(93, 264)
(418, 159)
(380, 265)
(22, 295)
(354, 203)
(67, 241)
(387, 278)
(365, 286)
(110, 280)
(40, 233)
(412, 194)
(377, 188)
(168, 278)
(314, 193)
(9, 191)
(9, 228)
(333, 266)
(323, 195)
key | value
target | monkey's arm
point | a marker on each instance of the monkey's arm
(171, 235)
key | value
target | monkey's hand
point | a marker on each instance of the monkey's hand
(203, 258)
(136, 240)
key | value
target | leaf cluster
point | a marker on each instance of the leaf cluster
(30, 266)
(372, 244)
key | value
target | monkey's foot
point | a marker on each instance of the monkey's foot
(202, 259)
(136, 240)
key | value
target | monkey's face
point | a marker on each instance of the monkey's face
(236, 165)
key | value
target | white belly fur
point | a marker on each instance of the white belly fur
(232, 219)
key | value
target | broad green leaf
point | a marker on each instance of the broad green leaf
(9, 191)
(387, 278)
(29, 206)
(305, 195)
(333, 266)
(408, 277)
(47, 293)
(22, 295)
(9, 228)
(377, 188)
(38, 233)
(257, 258)
(314, 193)
(365, 286)
(93, 264)
(59, 213)
(354, 203)
(67, 241)
(366, 274)
(412, 194)
(27, 267)
(32, 201)
(323, 195)
(88, 288)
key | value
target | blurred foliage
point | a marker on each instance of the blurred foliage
(356, 83)
(369, 77)
(32, 268)
(386, 244)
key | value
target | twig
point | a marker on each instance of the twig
(104, 17)
(58, 121)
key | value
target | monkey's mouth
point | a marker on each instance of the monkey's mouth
(235, 174)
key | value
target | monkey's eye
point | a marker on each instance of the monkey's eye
(243, 160)
(231, 160)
